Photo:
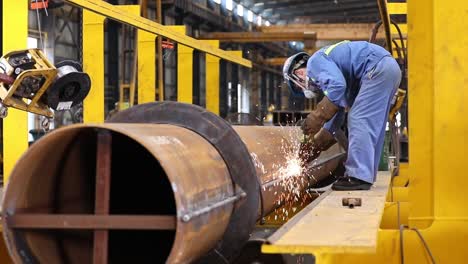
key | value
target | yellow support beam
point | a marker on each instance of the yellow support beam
(146, 67)
(114, 13)
(253, 37)
(279, 61)
(403, 28)
(15, 125)
(184, 70)
(93, 64)
(397, 8)
(401, 180)
(357, 31)
(237, 53)
(131, 87)
(437, 173)
(146, 60)
(212, 80)
(421, 99)
(398, 194)
(392, 211)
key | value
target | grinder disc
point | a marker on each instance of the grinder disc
(71, 86)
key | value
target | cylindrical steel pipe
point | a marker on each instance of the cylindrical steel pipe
(156, 169)
(274, 151)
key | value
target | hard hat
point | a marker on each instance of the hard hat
(298, 86)
(295, 84)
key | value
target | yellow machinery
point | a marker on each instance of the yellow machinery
(29, 82)
(34, 74)
(426, 221)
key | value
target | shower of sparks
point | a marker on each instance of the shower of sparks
(290, 178)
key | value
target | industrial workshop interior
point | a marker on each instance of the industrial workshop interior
(233, 131)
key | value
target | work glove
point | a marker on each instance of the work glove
(324, 111)
(312, 147)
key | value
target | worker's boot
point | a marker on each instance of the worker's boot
(310, 150)
(351, 184)
(324, 111)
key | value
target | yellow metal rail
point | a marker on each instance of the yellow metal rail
(117, 14)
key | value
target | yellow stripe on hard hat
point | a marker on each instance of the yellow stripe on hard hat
(329, 49)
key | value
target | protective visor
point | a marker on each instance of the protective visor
(306, 84)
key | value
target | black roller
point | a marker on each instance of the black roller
(71, 86)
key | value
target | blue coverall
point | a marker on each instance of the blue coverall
(362, 78)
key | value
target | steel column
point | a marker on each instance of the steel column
(112, 78)
(146, 67)
(184, 69)
(196, 78)
(271, 89)
(15, 126)
(263, 94)
(223, 92)
(93, 64)
(212, 80)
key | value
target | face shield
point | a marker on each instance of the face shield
(299, 86)
(307, 86)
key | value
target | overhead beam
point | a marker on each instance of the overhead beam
(279, 61)
(345, 13)
(319, 6)
(246, 37)
(360, 31)
(115, 13)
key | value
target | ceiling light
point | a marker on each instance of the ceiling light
(229, 5)
(240, 10)
(259, 20)
(250, 16)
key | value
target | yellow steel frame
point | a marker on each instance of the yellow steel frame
(436, 199)
(94, 16)
(146, 67)
(115, 13)
(146, 58)
(93, 64)
(184, 69)
(43, 68)
(212, 80)
(15, 126)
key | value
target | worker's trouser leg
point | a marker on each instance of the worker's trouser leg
(367, 119)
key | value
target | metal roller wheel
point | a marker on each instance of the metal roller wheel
(3, 111)
(45, 123)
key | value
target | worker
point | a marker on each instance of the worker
(356, 77)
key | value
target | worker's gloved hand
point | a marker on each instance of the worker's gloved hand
(324, 111)
(311, 149)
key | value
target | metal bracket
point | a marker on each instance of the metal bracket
(351, 202)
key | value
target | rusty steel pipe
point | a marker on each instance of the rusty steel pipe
(269, 147)
(156, 170)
